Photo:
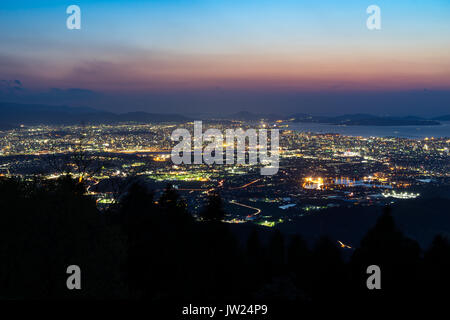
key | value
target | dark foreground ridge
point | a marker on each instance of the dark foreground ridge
(143, 249)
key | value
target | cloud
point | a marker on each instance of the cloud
(10, 86)
(13, 91)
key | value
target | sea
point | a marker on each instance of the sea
(410, 132)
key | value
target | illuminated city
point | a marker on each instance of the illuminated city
(316, 170)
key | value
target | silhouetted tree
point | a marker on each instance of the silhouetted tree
(299, 262)
(328, 277)
(213, 211)
(276, 254)
(254, 257)
(397, 256)
(436, 277)
(147, 249)
(47, 225)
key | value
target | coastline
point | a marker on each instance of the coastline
(409, 132)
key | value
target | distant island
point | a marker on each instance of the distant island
(348, 120)
(366, 120)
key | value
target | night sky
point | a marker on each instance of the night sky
(223, 56)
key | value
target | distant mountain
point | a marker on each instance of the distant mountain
(14, 114)
(30, 114)
(365, 120)
(443, 118)
(303, 117)
(248, 116)
(150, 117)
(7, 126)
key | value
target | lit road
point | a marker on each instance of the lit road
(257, 211)
(220, 185)
(246, 185)
(343, 245)
(88, 189)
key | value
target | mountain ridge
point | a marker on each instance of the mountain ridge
(14, 114)
(33, 114)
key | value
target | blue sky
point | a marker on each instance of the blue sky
(168, 53)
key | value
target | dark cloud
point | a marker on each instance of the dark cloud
(71, 96)
(11, 84)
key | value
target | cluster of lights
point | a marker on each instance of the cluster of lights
(401, 195)
(161, 158)
(311, 183)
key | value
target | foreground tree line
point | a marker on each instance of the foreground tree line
(146, 248)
